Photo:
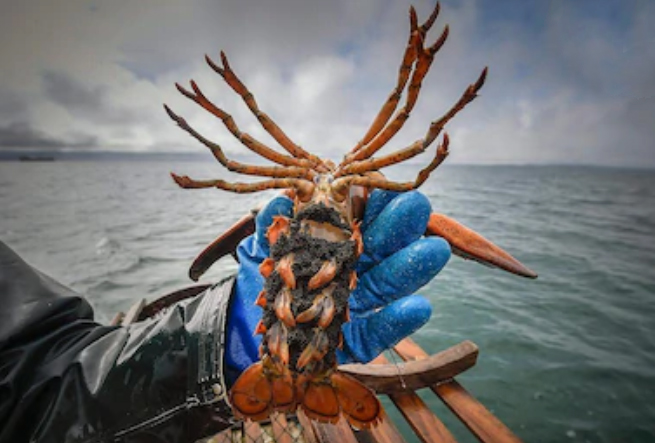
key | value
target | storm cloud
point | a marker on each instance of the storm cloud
(569, 82)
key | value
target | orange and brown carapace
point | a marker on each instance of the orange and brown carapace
(310, 274)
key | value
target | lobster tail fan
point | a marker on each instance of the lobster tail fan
(284, 395)
(325, 398)
(317, 398)
(261, 390)
(357, 402)
(252, 393)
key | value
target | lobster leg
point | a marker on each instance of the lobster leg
(424, 60)
(352, 281)
(277, 339)
(413, 51)
(248, 141)
(403, 75)
(269, 125)
(419, 146)
(357, 237)
(313, 311)
(304, 187)
(470, 245)
(231, 165)
(413, 150)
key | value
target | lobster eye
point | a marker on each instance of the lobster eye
(328, 178)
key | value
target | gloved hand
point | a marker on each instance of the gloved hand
(396, 262)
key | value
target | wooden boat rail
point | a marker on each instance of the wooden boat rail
(398, 381)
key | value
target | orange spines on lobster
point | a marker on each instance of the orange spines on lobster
(279, 226)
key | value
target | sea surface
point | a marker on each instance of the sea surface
(567, 357)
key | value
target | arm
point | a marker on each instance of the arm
(63, 377)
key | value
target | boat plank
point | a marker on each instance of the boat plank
(416, 373)
(423, 422)
(477, 418)
(338, 432)
(384, 432)
(482, 423)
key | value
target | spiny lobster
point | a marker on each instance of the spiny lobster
(310, 271)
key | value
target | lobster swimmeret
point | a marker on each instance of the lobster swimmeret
(310, 271)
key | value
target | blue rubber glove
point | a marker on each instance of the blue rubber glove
(396, 262)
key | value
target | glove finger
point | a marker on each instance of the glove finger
(377, 200)
(280, 205)
(366, 337)
(401, 222)
(401, 274)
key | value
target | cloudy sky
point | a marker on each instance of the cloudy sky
(569, 81)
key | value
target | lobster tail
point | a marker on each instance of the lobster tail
(261, 389)
(284, 396)
(252, 393)
(324, 398)
(317, 398)
(358, 403)
(309, 276)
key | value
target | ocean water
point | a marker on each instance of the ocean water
(567, 357)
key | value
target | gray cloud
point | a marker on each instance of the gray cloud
(22, 135)
(569, 81)
(86, 102)
(17, 135)
(65, 91)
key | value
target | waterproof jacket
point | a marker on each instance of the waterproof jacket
(66, 378)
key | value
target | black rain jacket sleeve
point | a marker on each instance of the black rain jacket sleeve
(66, 378)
